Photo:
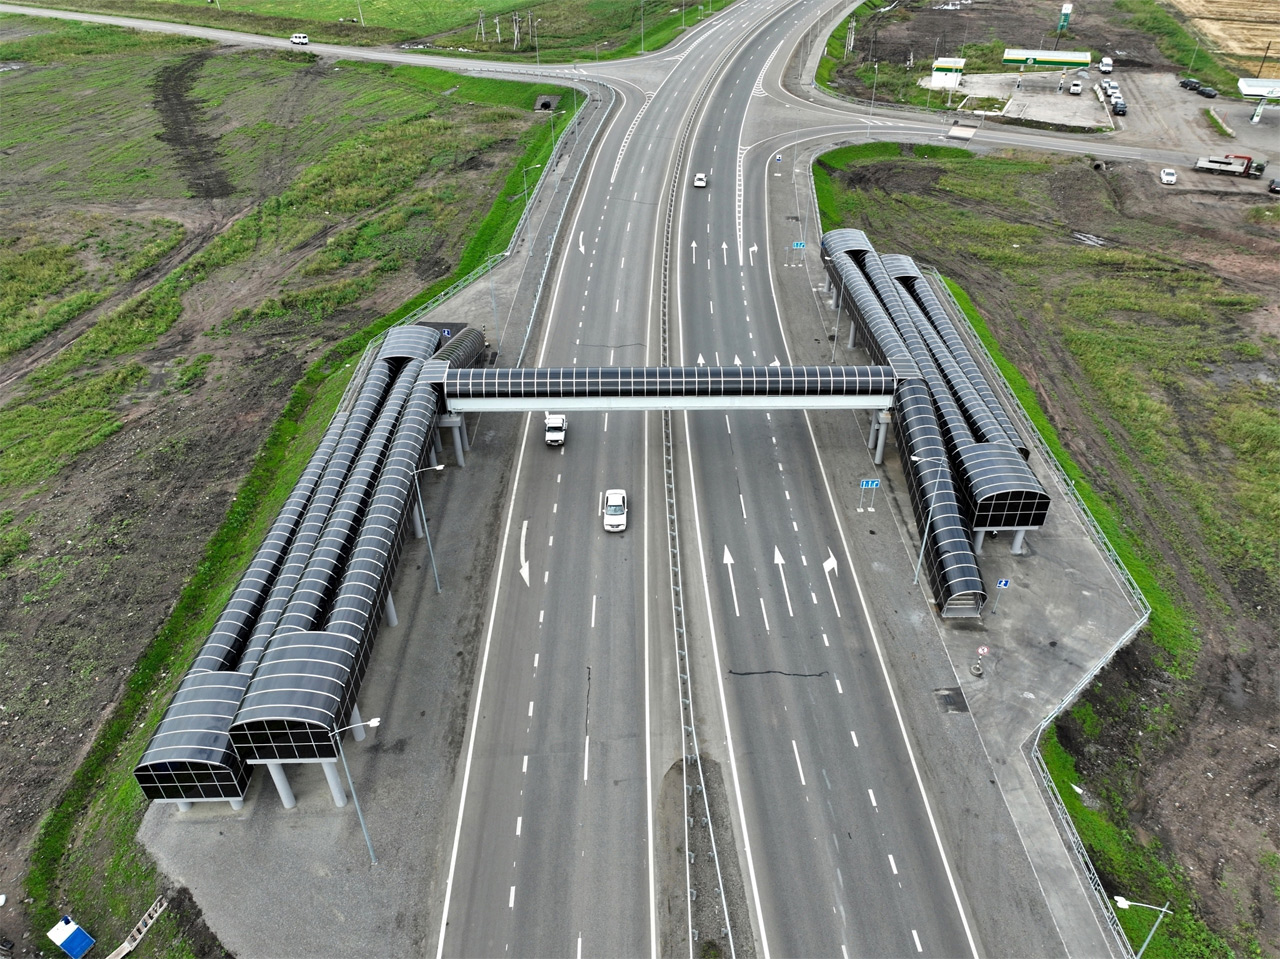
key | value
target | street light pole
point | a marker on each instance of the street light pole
(334, 734)
(1124, 903)
(422, 514)
(525, 176)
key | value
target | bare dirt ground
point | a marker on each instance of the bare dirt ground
(80, 605)
(1206, 781)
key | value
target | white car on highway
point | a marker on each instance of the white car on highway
(699, 179)
(615, 510)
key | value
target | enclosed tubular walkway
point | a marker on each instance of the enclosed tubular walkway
(277, 679)
(964, 461)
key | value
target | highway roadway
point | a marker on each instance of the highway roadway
(553, 851)
(575, 717)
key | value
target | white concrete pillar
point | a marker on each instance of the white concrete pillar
(871, 433)
(237, 803)
(978, 536)
(419, 530)
(1016, 548)
(458, 448)
(335, 783)
(357, 723)
(883, 419)
(185, 805)
(389, 610)
(282, 785)
(466, 437)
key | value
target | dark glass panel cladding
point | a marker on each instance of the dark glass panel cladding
(673, 381)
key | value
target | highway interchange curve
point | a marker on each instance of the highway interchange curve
(577, 717)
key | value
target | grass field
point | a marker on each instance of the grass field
(1149, 333)
(565, 29)
(417, 173)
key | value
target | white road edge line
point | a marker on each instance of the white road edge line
(795, 749)
(475, 716)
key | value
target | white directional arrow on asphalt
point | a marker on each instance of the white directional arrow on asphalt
(694, 245)
(775, 362)
(728, 562)
(701, 361)
(581, 249)
(829, 566)
(524, 563)
(751, 251)
(724, 248)
(779, 562)
(736, 361)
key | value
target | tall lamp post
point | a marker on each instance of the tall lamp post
(1124, 903)
(537, 51)
(525, 175)
(422, 514)
(928, 521)
(552, 118)
(336, 736)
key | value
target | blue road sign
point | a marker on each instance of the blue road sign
(871, 484)
(798, 245)
(1002, 584)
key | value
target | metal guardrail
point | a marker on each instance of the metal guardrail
(1136, 599)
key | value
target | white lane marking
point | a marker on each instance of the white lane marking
(524, 767)
(519, 823)
(743, 503)
(541, 613)
(855, 738)
(616, 304)
(586, 757)
(795, 749)
(713, 305)
(593, 610)
(812, 595)
(893, 865)
(826, 779)
(844, 953)
(869, 793)
(916, 936)
(787, 494)
(535, 661)
(555, 507)
(511, 899)
(546, 575)
(606, 415)
(839, 688)
(531, 707)
(825, 641)
(765, 613)
(840, 878)
(551, 540)
(728, 427)
(579, 945)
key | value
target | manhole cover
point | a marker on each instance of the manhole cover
(951, 700)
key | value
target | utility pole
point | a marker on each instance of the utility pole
(497, 25)
(480, 29)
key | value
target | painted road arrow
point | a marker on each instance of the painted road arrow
(524, 563)
(829, 566)
(779, 562)
(724, 248)
(694, 246)
(751, 251)
(728, 562)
